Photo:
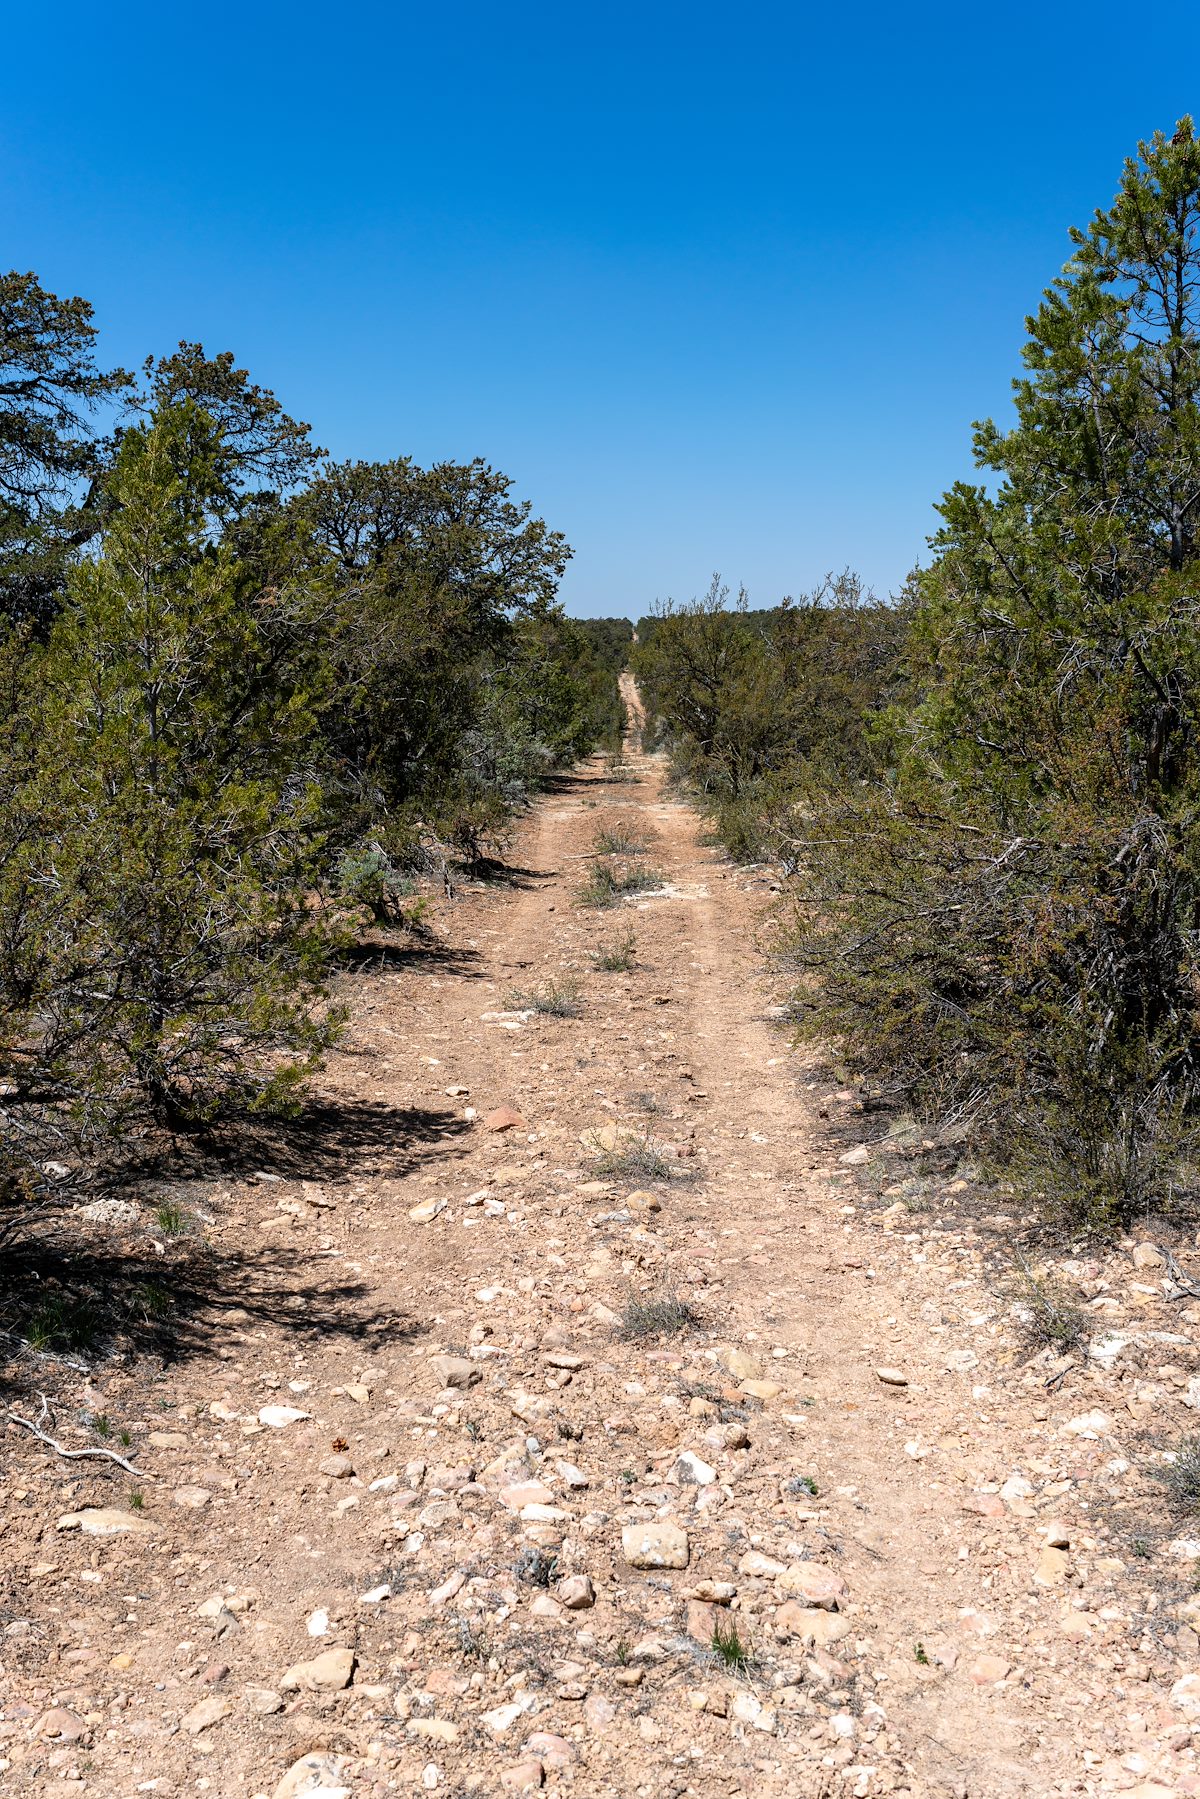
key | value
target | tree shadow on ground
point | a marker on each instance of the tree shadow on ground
(419, 956)
(73, 1293)
(339, 1140)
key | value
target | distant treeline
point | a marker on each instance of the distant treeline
(246, 693)
(987, 793)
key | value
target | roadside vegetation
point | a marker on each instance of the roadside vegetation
(985, 792)
(248, 697)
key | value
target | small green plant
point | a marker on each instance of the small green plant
(802, 1483)
(920, 1655)
(102, 1424)
(659, 1316)
(64, 1322)
(125, 1438)
(1141, 1547)
(616, 957)
(609, 842)
(623, 1652)
(628, 1476)
(367, 877)
(728, 1647)
(150, 1302)
(1181, 1477)
(172, 1219)
(137, 1501)
(557, 999)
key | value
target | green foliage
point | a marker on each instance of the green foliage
(751, 703)
(607, 884)
(1002, 925)
(617, 957)
(728, 1647)
(557, 999)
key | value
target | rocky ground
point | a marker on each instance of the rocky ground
(605, 1402)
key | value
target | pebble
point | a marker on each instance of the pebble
(455, 1371)
(193, 1499)
(62, 1725)
(892, 1377)
(523, 1777)
(504, 1118)
(817, 1586)
(693, 1472)
(205, 1715)
(337, 1467)
(576, 1592)
(278, 1417)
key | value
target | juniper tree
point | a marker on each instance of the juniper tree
(1008, 926)
(191, 823)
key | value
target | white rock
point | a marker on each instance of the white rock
(278, 1417)
(318, 1622)
(690, 1469)
(659, 1543)
(1089, 1425)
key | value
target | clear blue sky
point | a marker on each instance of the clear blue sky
(719, 287)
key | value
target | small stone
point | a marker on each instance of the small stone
(693, 1472)
(193, 1499)
(714, 1592)
(205, 1715)
(810, 1624)
(554, 1751)
(1089, 1425)
(1185, 1695)
(455, 1371)
(984, 1505)
(337, 1467)
(576, 1592)
(762, 1389)
(702, 1621)
(504, 1118)
(329, 1672)
(316, 1773)
(61, 1725)
(892, 1377)
(757, 1566)
(264, 1702)
(278, 1417)
(741, 1365)
(817, 1586)
(102, 1521)
(427, 1210)
(855, 1158)
(989, 1670)
(523, 1777)
(1145, 1255)
(1057, 1534)
(1053, 1567)
(659, 1543)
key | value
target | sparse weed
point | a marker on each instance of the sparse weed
(535, 1567)
(920, 1655)
(622, 1652)
(557, 999)
(608, 884)
(729, 1648)
(102, 1424)
(660, 1316)
(1050, 1314)
(608, 842)
(137, 1501)
(632, 1158)
(802, 1483)
(171, 1218)
(616, 957)
(1181, 1477)
(150, 1301)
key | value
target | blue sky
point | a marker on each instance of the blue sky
(719, 288)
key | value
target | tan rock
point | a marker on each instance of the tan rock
(702, 1621)
(810, 1624)
(192, 1499)
(103, 1521)
(455, 1370)
(523, 1777)
(313, 1773)
(815, 1585)
(337, 1467)
(892, 1377)
(61, 1725)
(741, 1365)
(328, 1672)
(1052, 1568)
(205, 1715)
(659, 1543)
(576, 1592)
(988, 1670)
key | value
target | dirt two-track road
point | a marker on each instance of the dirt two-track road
(415, 1512)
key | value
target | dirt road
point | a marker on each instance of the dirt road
(410, 1454)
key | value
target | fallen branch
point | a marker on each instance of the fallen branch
(72, 1455)
(1187, 1288)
